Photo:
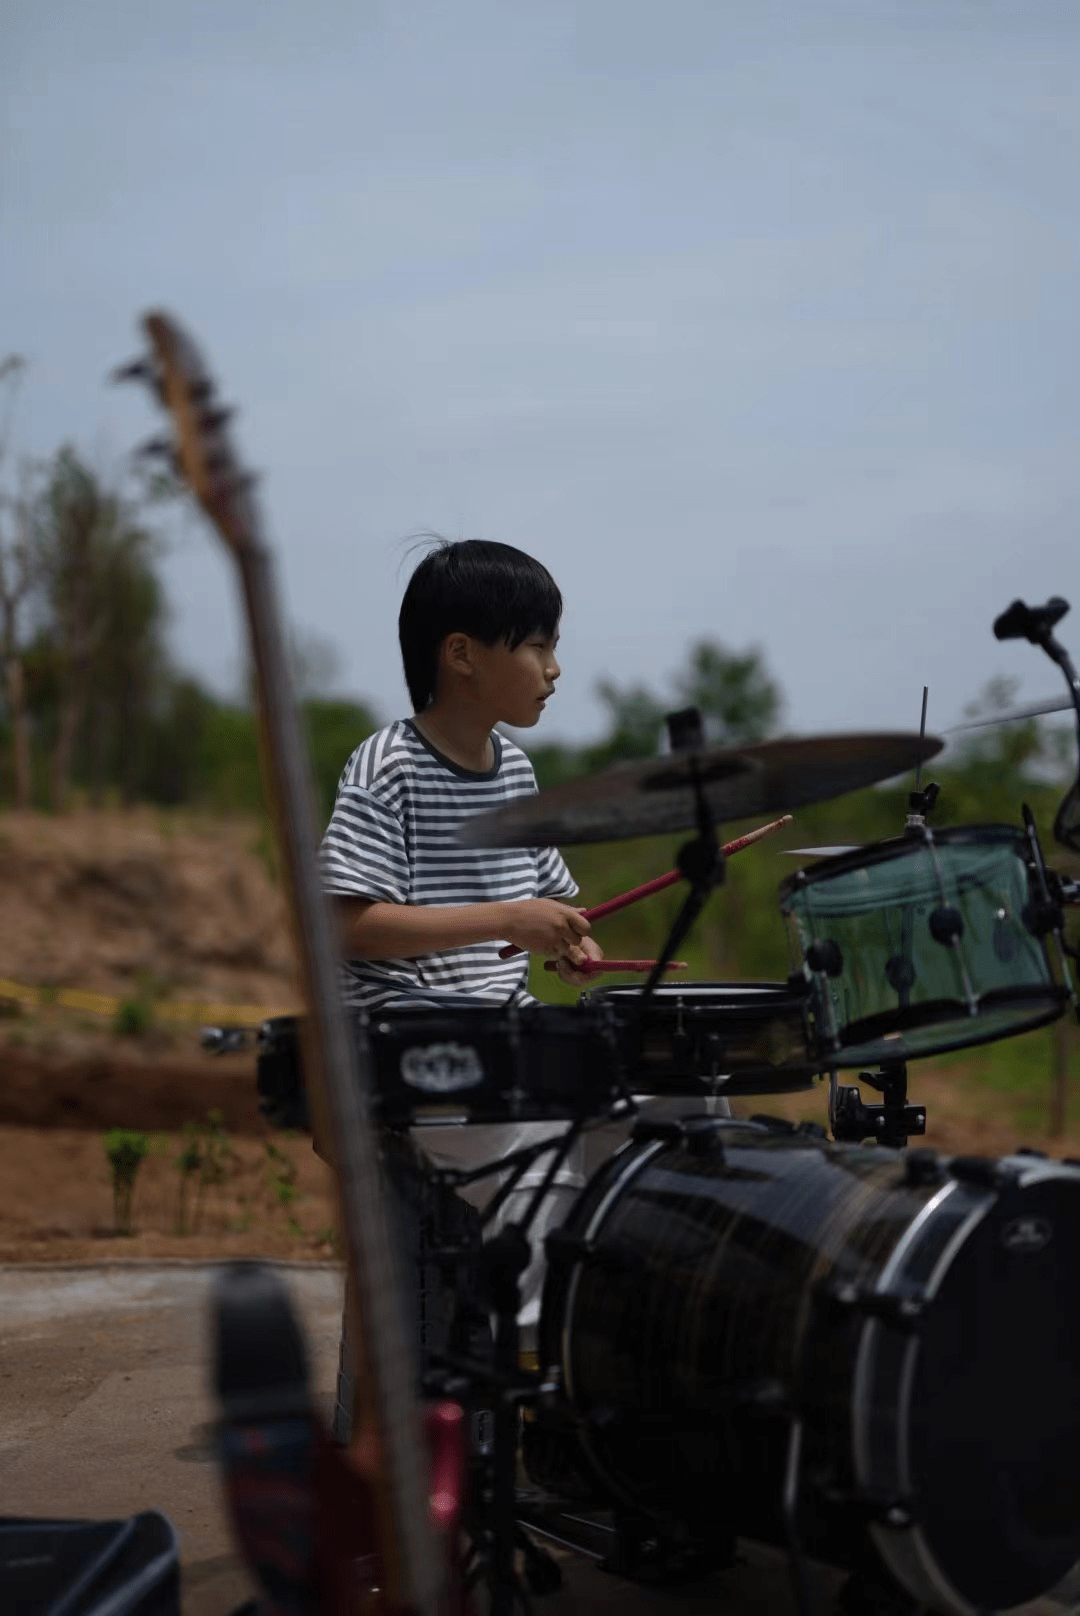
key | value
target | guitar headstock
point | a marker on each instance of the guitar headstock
(200, 449)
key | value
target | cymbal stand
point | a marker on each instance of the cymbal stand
(701, 861)
(503, 1259)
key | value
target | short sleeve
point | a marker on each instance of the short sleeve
(364, 853)
(553, 879)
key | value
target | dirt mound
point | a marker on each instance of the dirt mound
(142, 903)
(100, 1083)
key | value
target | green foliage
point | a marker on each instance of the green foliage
(188, 1163)
(334, 730)
(125, 1151)
(738, 699)
(133, 1018)
(203, 1162)
(280, 1174)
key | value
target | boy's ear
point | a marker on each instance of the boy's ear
(456, 654)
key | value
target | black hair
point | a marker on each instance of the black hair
(477, 587)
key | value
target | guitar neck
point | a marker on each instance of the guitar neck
(338, 1075)
(388, 1356)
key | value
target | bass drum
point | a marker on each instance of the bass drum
(919, 1317)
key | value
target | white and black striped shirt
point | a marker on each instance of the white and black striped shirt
(392, 838)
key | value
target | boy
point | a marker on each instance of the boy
(422, 918)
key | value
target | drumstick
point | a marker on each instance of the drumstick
(595, 967)
(661, 881)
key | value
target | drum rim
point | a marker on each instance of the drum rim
(637, 1154)
(774, 995)
(897, 847)
(875, 1029)
(908, 1550)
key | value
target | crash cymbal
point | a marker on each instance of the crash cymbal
(656, 796)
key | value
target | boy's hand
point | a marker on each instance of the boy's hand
(565, 963)
(545, 926)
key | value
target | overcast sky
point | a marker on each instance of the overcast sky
(754, 321)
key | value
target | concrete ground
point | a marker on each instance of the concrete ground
(104, 1411)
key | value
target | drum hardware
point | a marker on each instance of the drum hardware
(223, 1040)
(891, 1123)
(895, 910)
(1036, 624)
(1045, 913)
(984, 1172)
(926, 1258)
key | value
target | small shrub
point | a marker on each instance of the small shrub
(216, 1155)
(125, 1151)
(329, 1236)
(133, 1018)
(188, 1163)
(281, 1176)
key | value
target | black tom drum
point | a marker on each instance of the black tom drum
(920, 1318)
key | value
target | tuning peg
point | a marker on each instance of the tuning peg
(155, 447)
(217, 417)
(136, 370)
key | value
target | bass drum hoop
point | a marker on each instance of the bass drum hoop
(639, 1157)
(885, 1471)
(904, 1545)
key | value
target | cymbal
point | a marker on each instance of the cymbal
(657, 795)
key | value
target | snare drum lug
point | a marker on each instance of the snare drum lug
(773, 1124)
(702, 1136)
(648, 1129)
(983, 1171)
(825, 957)
(946, 924)
(898, 1312)
(562, 1247)
(923, 1166)
(812, 1130)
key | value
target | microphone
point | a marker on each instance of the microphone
(1034, 623)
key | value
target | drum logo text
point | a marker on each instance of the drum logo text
(1026, 1234)
(442, 1068)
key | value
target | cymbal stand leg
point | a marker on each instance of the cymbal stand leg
(701, 863)
(789, 1506)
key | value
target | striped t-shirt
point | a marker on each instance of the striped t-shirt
(392, 837)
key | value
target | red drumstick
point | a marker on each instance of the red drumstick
(596, 967)
(661, 881)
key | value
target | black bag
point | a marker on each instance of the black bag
(80, 1568)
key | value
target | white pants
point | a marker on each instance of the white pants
(469, 1145)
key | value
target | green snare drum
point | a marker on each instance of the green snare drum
(921, 944)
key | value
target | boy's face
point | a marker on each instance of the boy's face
(516, 684)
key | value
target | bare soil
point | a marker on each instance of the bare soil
(143, 903)
(56, 1201)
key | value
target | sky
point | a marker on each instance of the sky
(756, 323)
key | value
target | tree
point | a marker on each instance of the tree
(99, 650)
(738, 700)
(16, 583)
(635, 723)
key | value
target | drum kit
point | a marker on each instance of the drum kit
(864, 1353)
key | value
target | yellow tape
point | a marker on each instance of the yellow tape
(102, 1004)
